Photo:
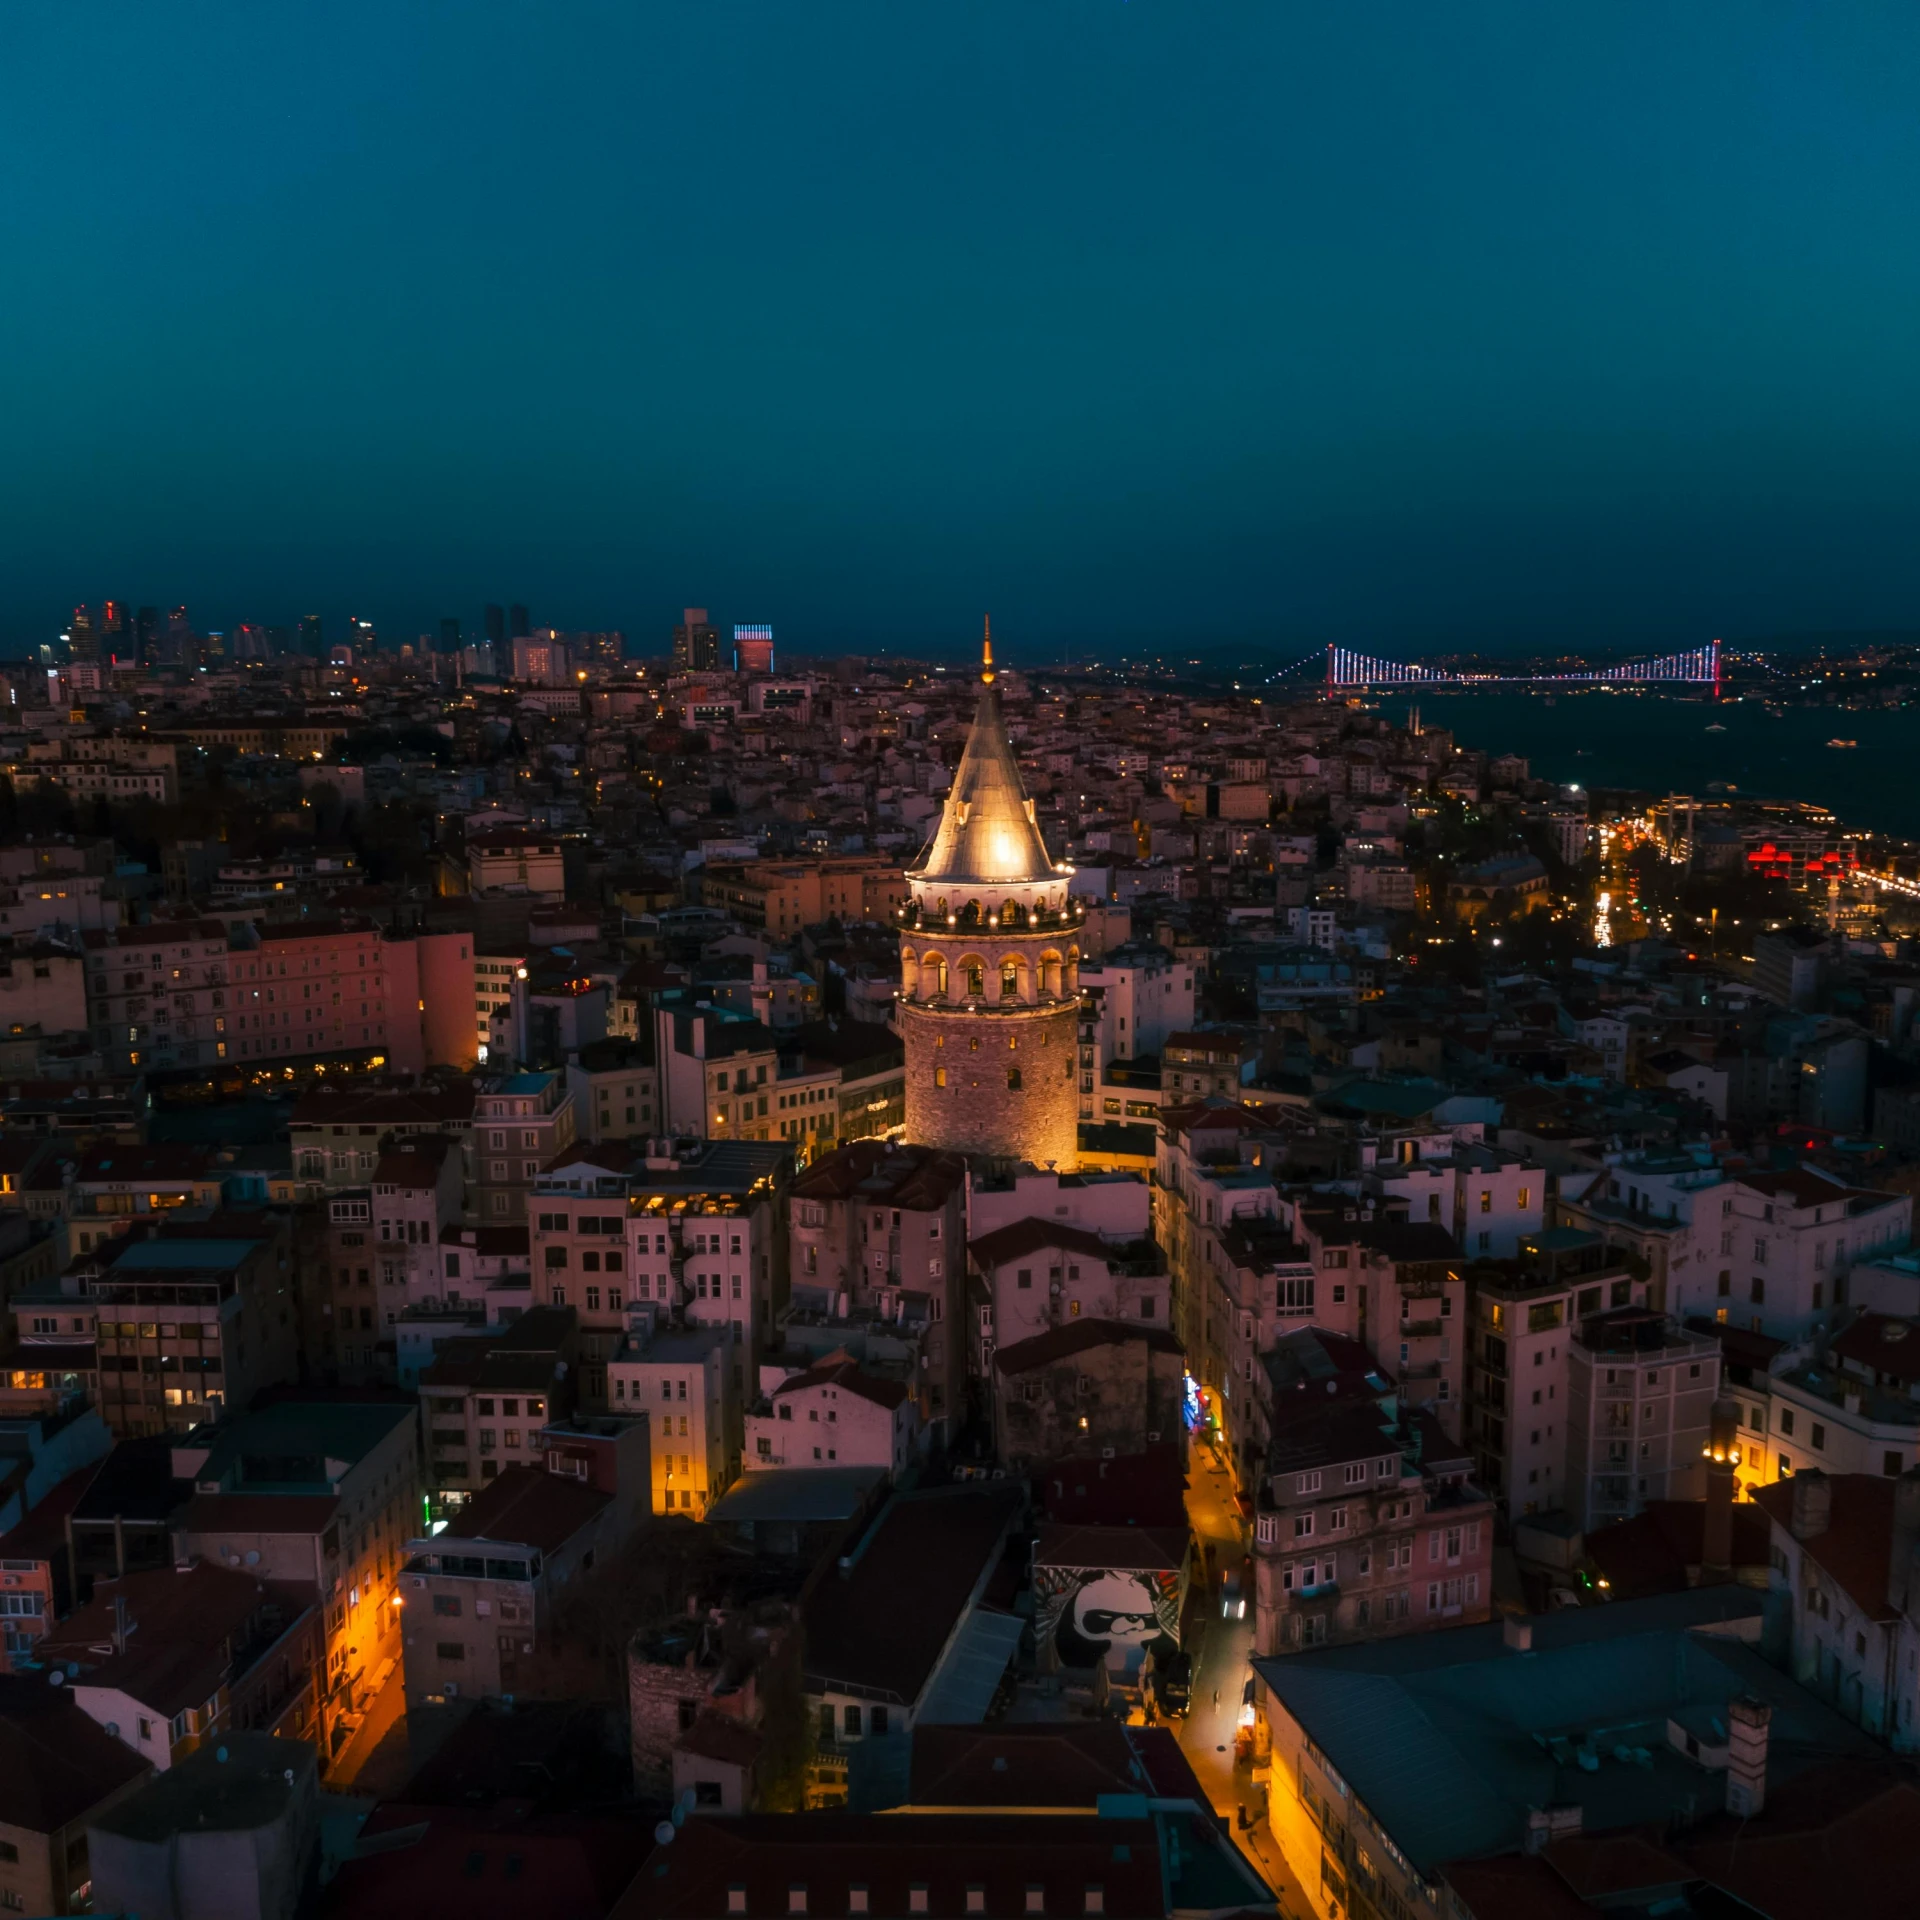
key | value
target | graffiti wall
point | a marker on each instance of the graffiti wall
(1091, 1614)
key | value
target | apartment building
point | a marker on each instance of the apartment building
(1213, 1173)
(615, 1090)
(1855, 1637)
(478, 1596)
(510, 860)
(1039, 1273)
(1368, 1523)
(520, 1122)
(323, 1492)
(418, 1192)
(114, 1186)
(1140, 996)
(719, 1073)
(494, 973)
(1786, 1242)
(338, 1133)
(1521, 1317)
(686, 1380)
(692, 1232)
(1646, 1205)
(188, 1326)
(171, 1659)
(1853, 1409)
(485, 1396)
(882, 1229)
(43, 988)
(784, 898)
(834, 1413)
(1199, 1066)
(1639, 1400)
(158, 996)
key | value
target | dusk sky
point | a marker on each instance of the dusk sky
(1145, 324)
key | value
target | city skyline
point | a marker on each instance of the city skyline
(1480, 331)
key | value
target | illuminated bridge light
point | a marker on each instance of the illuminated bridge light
(1695, 666)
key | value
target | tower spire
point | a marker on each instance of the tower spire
(986, 654)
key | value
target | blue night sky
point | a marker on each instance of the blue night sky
(1143, 323)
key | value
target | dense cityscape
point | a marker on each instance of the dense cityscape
(1349, 1304)
(1170, 1175)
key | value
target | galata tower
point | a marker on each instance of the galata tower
(989, 1003)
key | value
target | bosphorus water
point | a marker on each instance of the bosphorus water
(1653, 741)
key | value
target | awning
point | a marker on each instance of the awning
(963, 1685)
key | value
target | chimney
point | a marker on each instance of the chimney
(1747, 1720)
(1517, 1631)
(1812, 1504)
(1902, 1589)
(1723, 1453)
(1545, 1825)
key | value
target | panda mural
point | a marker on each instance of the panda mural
(1110, 1614)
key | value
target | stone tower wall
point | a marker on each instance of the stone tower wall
(976, 1112)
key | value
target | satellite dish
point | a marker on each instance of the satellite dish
(56, 1678)
(220, 1754)
(687, 1798)
(663, 1833)
(679, 1814)
(253, 1556)
(113, 1729)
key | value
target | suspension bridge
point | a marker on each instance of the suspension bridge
(1344, 670)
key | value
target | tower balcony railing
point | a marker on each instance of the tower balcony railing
(1010, 918)
(983, 1004)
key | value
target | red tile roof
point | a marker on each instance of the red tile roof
(846, 1374)
(1078, 1336)
(529, 1508)
(1856, 1548)
(1068, 1765)
(1837, 1839)
(56, 1764)
(482, 1866)
(1883, 1342)
(1029, 1236)
(893, 1854)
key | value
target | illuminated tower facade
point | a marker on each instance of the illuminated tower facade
(990, 968)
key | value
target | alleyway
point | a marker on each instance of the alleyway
(1220, 1650)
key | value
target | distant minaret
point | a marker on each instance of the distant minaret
(989, 1006)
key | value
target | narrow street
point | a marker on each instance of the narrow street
(384, 1712)
(1221, 1649)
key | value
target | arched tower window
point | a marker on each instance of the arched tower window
(934, 974)
(976, 976)
(1009, 979)
(1013, 1079)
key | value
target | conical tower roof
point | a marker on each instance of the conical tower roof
(986, 835)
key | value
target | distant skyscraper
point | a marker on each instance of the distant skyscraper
(753, 649)
(496, 626)
(312, 641)
(83, 637)
(696, 642)
(113, 630)
(450, 635)
(519, 622)
(146, 633)
(180, 648)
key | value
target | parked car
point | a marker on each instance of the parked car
(1173, 1684)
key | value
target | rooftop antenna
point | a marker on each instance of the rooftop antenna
(986, 653)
